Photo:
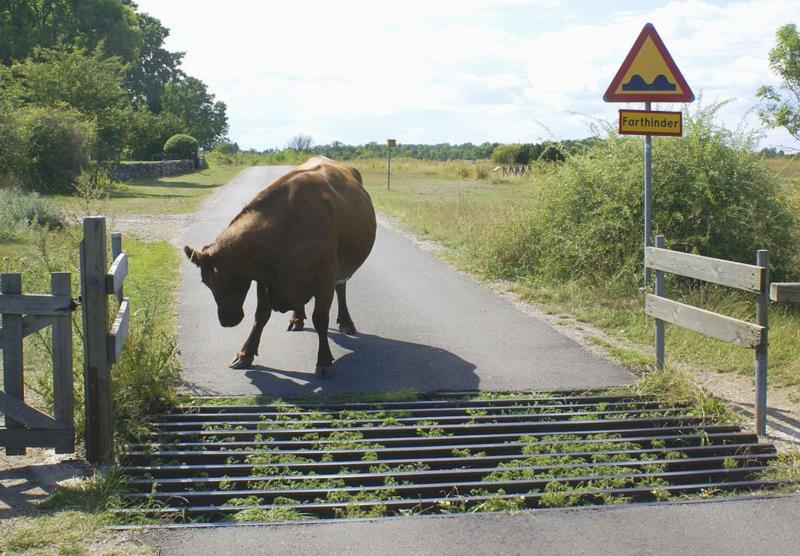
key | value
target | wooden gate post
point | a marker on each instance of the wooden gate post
(14, 385)
(63, 403)
(97, 367)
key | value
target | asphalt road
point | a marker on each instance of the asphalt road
(422, 326)
(725, 527)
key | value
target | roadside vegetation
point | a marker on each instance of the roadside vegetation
(568, 237)
(39, 235)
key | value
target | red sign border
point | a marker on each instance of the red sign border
(665, 134)
(648, 31)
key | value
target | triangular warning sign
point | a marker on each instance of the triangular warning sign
(648, 74)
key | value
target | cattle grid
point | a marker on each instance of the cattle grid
(285, 461)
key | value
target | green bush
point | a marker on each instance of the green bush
(711, 196)
(147, 133)
(57, 145)
(181, 147)
(25, 209)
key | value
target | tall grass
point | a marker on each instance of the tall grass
(145, 378)
(570, 237)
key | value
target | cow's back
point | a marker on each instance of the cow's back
(323, 203)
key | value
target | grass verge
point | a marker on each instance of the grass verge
(465, 216)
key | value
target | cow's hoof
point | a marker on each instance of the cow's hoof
(296, 326)
(324, 373)
(347, 328)
(241, 362)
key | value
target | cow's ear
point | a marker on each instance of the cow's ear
(195, 256)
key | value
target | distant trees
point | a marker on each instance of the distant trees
(202, 117)
(781, 107)
(550, 151)
(300, 142)
(101, 67)
(516, 153)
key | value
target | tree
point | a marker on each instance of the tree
(27, 24)
(189, 100)
(154, 67)
(147, 133)
(300, 142)
(781, 107)
(90, 83)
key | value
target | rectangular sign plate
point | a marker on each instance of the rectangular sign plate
(391, 142)
(648, 122)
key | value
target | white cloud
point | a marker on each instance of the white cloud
(466, 70)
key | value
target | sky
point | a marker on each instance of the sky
(442, 71)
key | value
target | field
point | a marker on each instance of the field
(156, 196)
(463, 215)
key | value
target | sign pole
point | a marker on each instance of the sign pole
(389, 144)
(648, 194)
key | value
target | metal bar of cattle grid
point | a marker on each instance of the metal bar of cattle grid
(361, 463)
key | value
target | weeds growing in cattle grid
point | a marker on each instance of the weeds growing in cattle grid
(340, 466)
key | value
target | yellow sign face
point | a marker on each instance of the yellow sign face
(648, 74)
(391, 142)
(648, 122)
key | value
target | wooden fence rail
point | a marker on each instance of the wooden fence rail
(23, 315)
(750, 278)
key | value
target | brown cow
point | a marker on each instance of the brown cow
(301, 237)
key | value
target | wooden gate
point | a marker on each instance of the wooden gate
(23, 315)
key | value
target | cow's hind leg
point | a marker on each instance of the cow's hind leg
(244, 358)
(296, 321)
(320, 318)
(344, 320)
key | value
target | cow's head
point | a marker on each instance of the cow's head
(229, 289)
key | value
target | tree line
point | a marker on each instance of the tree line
(514, 153)
(85, 84)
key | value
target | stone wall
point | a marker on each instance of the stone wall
(136, 170)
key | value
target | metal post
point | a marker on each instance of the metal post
(97, 369)
(648, 194)
(659, 322)
(389, 170)
(762, 306)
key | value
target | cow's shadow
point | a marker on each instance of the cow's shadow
(374, 364)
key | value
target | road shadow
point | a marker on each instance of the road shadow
(374, 364)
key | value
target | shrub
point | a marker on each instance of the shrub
(147, 133)
(24, 209)
(711, 195)
(57, 144)
(181, 147)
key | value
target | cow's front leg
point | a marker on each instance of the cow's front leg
(343, 318)
(244, 358)
(320, 317)
(296, 321)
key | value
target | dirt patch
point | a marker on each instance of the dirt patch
(164, 227)
(27, 480)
